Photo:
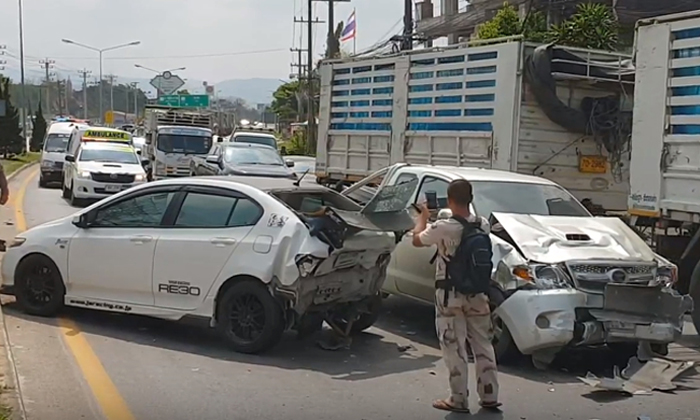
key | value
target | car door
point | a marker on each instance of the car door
(206, 229)
(112, 259)
(415, 275)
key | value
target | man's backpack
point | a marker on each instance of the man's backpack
(468, 271)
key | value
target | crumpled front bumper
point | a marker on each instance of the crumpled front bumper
(542, 319)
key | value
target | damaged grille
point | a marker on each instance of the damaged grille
(592, 277)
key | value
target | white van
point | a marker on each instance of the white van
(53, 152)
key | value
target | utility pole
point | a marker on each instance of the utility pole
(407, 43)
(84, 74)
(47, 64)
(2, 62)
(299, 65)
(60, 86)
(135, 87)
(111, 79)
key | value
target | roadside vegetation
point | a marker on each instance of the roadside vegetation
(12, 163)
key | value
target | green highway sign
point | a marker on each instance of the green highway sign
(185, 101)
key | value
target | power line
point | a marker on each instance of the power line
(228, 54)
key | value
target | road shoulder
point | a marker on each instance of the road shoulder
(11, 402)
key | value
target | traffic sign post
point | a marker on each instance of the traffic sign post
(167, 83)
(184, 101)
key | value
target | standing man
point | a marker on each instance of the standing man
(4, 189)
(463, 275)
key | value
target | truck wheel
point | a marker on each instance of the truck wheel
(249, 318)
(66, 192)
(39, 288)
(503, 344)
(73, 200)
(42, 183)
(694, 292)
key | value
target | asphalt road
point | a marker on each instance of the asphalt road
(97, 365)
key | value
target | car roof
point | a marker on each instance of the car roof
(104, 145)
(244, 144)
(63, 127)
(483, 174)
(262, 183)
(186, 126)
(253, 134)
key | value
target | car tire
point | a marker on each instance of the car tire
(503, 344)
(250, 299)
(66, 192)
(694, 292)
(39, 287)
(42, 183)
(74, 202)
(366, 320)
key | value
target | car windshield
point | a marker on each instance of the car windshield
(109, 155)
(178, 143)
(56, 143)
(265, 140)
(524, 198)
(252, 156)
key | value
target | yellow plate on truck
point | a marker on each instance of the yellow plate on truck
(593, 164)
(107, 135)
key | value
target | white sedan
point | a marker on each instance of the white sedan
(254, 258)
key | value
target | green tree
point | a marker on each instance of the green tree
(183, 92)
(38, 131)
(11, 141)
(592, 26)
(285, 102)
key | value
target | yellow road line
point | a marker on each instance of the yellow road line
(20, 221)
(110, 401)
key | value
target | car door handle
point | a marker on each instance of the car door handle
(141, 239)
(223, 241)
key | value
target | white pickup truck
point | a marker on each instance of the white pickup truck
(561, 276)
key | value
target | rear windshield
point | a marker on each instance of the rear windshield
(267, 141)
(178, 143)
(56, 143)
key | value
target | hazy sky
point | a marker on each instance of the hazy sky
(174, 32)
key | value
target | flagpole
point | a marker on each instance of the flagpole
(354, 38)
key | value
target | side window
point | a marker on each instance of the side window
(434, 185)
(209, 210)
(404, 178)
(143, 211)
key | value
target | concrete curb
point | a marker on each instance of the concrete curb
(10, 374)
(21, 169)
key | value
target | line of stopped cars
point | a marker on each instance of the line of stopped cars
(260, 255)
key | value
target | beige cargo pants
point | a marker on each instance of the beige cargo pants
(467, 320)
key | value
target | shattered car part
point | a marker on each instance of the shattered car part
(656, 374)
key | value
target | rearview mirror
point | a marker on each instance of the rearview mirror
(70, 158)
(212, 159)
(289, 163)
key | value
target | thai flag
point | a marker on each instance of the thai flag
(350, 29)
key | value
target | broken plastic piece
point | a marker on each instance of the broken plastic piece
(656, 374)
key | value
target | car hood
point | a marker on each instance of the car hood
(261, 170)
(555, 239)
(110, 168)
(53, 156)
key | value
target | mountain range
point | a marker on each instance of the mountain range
(252, 91)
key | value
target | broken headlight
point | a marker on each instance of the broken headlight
(667, 275)
(543, 276)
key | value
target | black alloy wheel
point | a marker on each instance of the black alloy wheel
(39, 286)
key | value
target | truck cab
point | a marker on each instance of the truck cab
(173, 137)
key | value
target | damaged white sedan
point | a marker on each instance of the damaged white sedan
(255, 258)
(561, 276)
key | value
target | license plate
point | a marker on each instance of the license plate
(347, 259)
(113, 188)
(593, 164)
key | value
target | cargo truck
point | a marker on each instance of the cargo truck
(173, 136)
(558, 112)
(664, 199)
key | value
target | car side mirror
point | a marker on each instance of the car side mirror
(84, 220)
(212, 159)
(138, 151)
(70, 158)
(289, 163)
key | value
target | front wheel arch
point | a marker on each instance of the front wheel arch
(230, 282)
(48, 308)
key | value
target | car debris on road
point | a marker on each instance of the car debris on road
(641, 379)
